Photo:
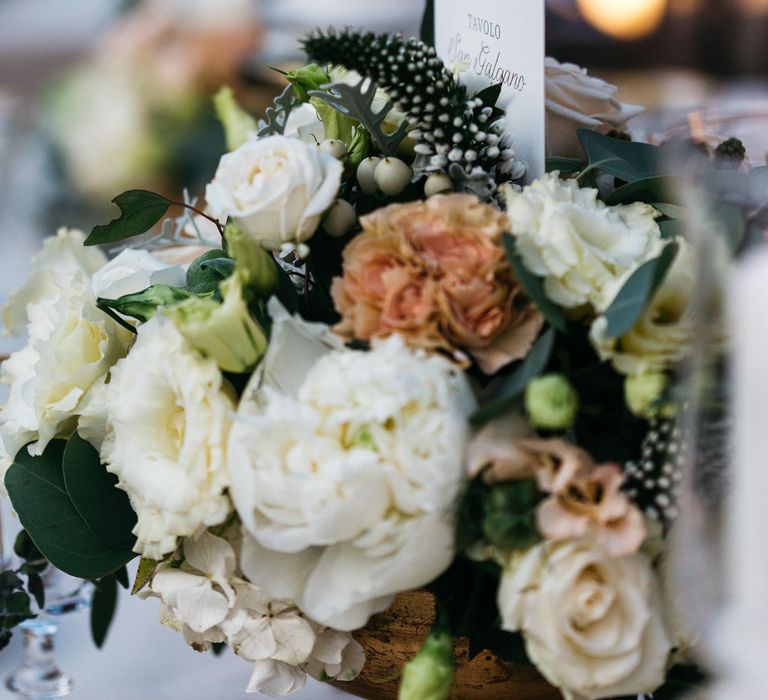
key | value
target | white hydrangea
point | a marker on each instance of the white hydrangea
(167, 422)
(346, 481)
(584, 249)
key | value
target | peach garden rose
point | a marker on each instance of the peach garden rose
(435, 272)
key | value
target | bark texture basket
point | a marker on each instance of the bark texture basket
(392, 638)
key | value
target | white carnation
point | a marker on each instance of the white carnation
(275, 188)
(347, 484)
(168, 417)
(592, 623)
(61, 255)
(584, 249)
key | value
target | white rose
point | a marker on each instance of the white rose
(346, 478)
(575, 100)
(133, 271)
(662, 335)
(61, 255)
(275, 188)
(72, 344)
(592, 624)
(168, 417)
(584, 249)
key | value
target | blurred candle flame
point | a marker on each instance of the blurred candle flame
(624, 19)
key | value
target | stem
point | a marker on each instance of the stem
(203, 214)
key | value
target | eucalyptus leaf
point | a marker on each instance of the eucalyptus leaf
(671, 229)
(637, 292)
(143, 305)
(652, 189)
(36, 588)
(671, 211)
(565, 165)
(105, 509)
(356, 102)
(514, 385)
(38, 493)
(534, 286)
(625, 160)
(103, 609)
(140, 210)
(427, 28)
(490, 95)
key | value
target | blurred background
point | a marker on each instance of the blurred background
(100, 96)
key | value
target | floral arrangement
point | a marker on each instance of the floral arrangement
(373, 362)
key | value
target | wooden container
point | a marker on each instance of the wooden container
(393, 638)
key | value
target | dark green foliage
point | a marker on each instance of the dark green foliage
(203, 277)
(140, 210)
(103, 608)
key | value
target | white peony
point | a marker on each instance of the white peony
(662, 335)
(168, 417)
(60, 256)
(346, 476)
(584, 249)
(276, 189)
(592, 624)
(133, 271)
(576, 100)
(72, 344)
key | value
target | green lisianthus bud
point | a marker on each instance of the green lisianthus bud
(254, 264)
(644, 394)
(236, 121)
(429, 675)
(306, 78)
(226, 332)
(551, 402)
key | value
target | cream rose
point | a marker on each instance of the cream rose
(346, 477)
(275, 188)
(584, 249)
(592, 624)
(662, 335)
(575, 100)
(167, 422)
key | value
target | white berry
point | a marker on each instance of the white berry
(333, 147)
(392, 176)
(365, 174)
(340, 218)
(437, 183)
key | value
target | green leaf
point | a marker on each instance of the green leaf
(490, 95)
(39, 496)
(105, 509)
(356, 102)
(625, 160)
(637, 292)
(514, 385)
(671, 229)
(103, 609)
(671, 211)
(144, 574)
(121, 576)
(204, 280)
(222, 266)
(565, 165)
(36, 588)
(651, 190)
(143, 305)
(534, 286)
(427, 27)
(140, 210)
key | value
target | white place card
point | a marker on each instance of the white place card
(501, 41)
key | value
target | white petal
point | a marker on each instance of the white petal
(275, 679)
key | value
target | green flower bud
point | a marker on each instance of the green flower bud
(429, 675)
(335, 124)
(306, 78)
(255, 265)
(644, 394)
(360, 146)
(226, 332)
(236, 121)
(552, 403)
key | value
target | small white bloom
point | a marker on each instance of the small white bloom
(275, 678)
(168, 417)
(133, 271)
(61, 255)
(584, 249)
(662, 335)
(276, 189)
(575, 100)
(592, 623)
(336, 656)
(346, 479)
(199, 595)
